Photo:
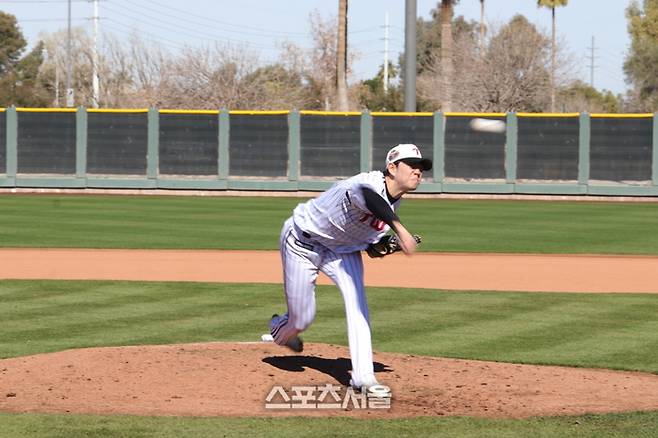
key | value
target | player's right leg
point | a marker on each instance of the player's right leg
(300, 272)
(346, 270)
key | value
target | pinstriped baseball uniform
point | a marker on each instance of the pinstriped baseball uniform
(327, 234)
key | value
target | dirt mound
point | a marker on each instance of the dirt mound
(249, 379)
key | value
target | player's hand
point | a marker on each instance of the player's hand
(407, 242)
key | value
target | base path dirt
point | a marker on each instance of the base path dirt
(496, 272)
(235, 379)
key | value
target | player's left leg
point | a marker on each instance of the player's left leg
(346, 270)
(300, 272)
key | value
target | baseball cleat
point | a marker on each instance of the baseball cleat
(368, 381)
(295, 343)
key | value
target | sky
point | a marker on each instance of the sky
(263, 25)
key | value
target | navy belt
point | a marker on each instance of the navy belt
(301, 243)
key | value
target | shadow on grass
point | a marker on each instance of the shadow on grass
(337, 368)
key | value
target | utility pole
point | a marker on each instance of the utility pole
(56, 58)
(410, 55)
(481, 27)
(69, 90)
(386, 52)
(591, 63)
(94, 60)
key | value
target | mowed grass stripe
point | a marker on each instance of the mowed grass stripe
(138, 317)
(128, 309)
(639, 424)
(551, 329)
(109, 299)
(142, 222)
(567, 329)
(255, 222)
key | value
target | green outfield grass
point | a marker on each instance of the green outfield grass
(588, 330)
(593, 330)
(91, 426)
(255, 222)
(617, 331)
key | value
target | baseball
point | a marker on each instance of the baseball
(487, 125)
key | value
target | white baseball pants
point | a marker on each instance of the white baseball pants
(302, 261)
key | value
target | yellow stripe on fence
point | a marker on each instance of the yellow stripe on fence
(458, 114)
(547, 114)
(174, 111)
(117, 110)
(256, 112)
(47, 110)
(329, 113)
(403, 114)
(621, 116)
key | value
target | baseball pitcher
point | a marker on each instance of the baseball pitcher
(328, 233)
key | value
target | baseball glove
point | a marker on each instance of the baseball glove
(387, 245)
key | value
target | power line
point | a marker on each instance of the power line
(155, 22)
(51, 19)
(240, 27)
(41, 1)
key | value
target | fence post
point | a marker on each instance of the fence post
(293, 145)
(511, 148)
(223, 142)
(81, 143)
(366, 141)
(654, 152)
(11, 142)
(583, 148)
(438, 146)
(153, 143)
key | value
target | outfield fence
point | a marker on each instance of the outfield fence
(559, 154)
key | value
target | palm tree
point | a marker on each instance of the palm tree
(341, 64)
(446, 52)
(552, 4)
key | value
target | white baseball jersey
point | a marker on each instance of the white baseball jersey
(327, 234)
(339, 219)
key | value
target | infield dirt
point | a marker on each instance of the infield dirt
(234, 379)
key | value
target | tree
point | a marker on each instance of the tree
(19, 77)
(581, 97)
(430, 43)
(12, 42)
(641, 64)
(372, 97)
(552, 4)
(56, 63)
(275, 87)
(510, 75)
(341, 57)
(30, 90)
(428, 36)
(446, 52)
(318, 64)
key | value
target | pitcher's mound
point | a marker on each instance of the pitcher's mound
(251, 379)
